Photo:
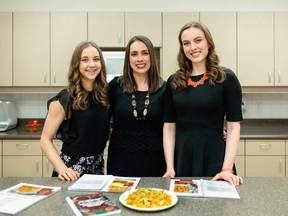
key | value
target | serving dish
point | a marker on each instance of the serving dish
(125, 195)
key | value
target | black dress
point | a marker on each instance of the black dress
(199, 115)
(136, 146)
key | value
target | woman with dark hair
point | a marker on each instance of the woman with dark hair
(137, 106)
(79, 116)
(198, 98)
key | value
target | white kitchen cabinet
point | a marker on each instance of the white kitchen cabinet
(148, 24)
(223, 27)
(240, 159)
(114, 29)
(256, 48)
(47, 166)
(67, 31)
(281, 47)
(6, 49)
(31, 49)
(107, 29)
(172, 23)
(105, 156)
(22, 158)
(0, 158)
(265, 158)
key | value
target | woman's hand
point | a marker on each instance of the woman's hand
(230, 177)
(169, 174)
(69, 174)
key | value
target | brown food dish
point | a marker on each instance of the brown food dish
(33, 128)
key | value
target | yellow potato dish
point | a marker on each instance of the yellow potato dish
(149, 198)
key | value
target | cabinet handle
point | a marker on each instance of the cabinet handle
(22, 146)
(47, 167)
(269, 77)
(119, 38)
(37, 166)
(279, 76)
(265, 147)
(45, 76)
(54, 77)
(280, 166)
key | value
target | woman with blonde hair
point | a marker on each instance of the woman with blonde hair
(199, 96)
(79, 116)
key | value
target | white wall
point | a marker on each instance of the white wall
(147, 5)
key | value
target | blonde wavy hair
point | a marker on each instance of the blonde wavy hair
(75, 88)
(214, 71)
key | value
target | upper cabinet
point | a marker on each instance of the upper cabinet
(31, 49)
(223, 27)
(256, 48)
(281, 47)
(172, 23)
(6, 49)
(107, 28)
(148, 24)
(67, 31)
(43, 46)
(119, 27)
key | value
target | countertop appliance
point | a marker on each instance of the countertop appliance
(8, 115)
(114, 61)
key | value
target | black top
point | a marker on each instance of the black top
(129, 134)
(199, 114)
(86, 132)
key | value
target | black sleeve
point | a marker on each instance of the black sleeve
(169, 110)
(233, 97)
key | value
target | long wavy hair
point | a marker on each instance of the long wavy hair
(127, 81)
(214, 71)
(75, 88)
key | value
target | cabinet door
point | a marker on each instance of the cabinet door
(148, 24)
(67, 31)
(22, 166)
(240, 165)
(172, 23)
(31, 49)
(281, 47)
(265, 166)
(255, 48)
(106, 28)
(6, 49)
(222, 26)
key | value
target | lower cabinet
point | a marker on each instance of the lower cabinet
(265, 158)
(47, 166)
(240, 159)
(0, 158)
(22, 158)
(105, 155)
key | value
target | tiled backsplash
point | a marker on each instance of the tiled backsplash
(257, 106)
(29, 105)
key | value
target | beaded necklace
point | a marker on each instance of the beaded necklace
(199, 82)
(134, 106)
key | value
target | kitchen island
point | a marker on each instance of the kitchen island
(259, 196)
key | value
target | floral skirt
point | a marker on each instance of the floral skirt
(83, 165)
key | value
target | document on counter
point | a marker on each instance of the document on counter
(23, 195)
(104, 183)
(203, 188)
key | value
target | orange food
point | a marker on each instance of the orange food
(27, 189)
(181, 188)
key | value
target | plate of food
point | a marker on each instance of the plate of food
(148, 199)
(27, 189)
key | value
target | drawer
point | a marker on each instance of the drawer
(265, 147)
(21, 147)
(241, 150)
